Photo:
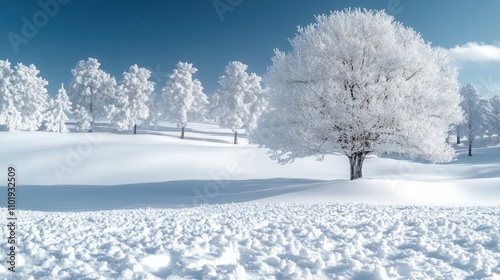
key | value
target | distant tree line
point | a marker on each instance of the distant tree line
(94, 94)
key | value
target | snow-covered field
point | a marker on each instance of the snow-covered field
(263, 241)
(262, 221)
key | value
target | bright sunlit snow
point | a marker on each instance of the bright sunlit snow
(305, 220)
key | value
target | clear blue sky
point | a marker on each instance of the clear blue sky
(158, 34)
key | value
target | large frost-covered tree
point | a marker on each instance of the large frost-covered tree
(23, 97)
(184, 97)
(358, 82)
(92, 92)
(477, 112)
(56, 115)
(134, 94)
(241, 98)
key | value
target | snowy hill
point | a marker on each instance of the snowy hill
(87, 171)
(298, 221)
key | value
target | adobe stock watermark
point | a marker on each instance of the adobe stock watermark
(31, 26)
(75, 155)
(395, 7)
(158, 76)
(222, 178)
(489, 85)
(224, 6)
(405, 171)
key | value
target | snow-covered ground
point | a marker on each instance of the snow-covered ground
(262, 241)
(298, 221)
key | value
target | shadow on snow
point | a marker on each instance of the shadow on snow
(173, 194)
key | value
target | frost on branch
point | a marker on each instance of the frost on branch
(358, 82)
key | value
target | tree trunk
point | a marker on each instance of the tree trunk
(471, 137)
(135, 128)
(458, 139)
(236, 137)
(91, 114)
(356, 162)
(182, 132)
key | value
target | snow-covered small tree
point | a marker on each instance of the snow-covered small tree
(213, 108)
(256, 99)
(200, 101)
(184, 97)
(134, 94)
(477, 112)
(487, 110)
(23, 97)
(358, 82)
(9, 115)
(30, 96)
(92, 92)
(495, 115)
(156, 107)
(56, 115)
(241, 98)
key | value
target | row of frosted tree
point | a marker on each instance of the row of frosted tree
(94, 94)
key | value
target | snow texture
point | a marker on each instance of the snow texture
(261, 241)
